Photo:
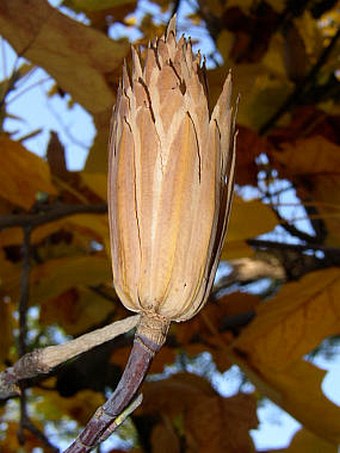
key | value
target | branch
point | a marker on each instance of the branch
(293, 259)
(251, 269)
(42, 361)
(149, 337)
(49, 214)
(22, 309)
(301, 87)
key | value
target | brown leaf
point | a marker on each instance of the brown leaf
(22, 174)
(52, 278)
(164, 438)
(249, 146)
(210, 422)
(75, 310)
(79, 58)
(304, 440)
(56, 156)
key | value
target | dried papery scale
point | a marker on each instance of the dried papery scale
(171, 172)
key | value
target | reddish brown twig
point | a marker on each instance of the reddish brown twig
(149, 338)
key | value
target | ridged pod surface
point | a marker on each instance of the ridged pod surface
(170, 181)
(171, 173)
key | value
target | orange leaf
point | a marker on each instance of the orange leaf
(295, 321)
(22, 174)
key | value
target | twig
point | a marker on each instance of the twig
(49, 214)
(149, 338)
(293, 230)
(40, 435)
(42, 361)
(22, 309)
(297, 247)
(24, 290)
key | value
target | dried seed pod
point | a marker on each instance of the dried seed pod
(171, 175)
(170, 181)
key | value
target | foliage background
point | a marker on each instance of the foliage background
(276, 302)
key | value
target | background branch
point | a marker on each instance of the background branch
(48, 214)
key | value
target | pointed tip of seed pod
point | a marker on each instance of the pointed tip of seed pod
(172, 27)
(224, 99)
(137, 70)
(125, 77)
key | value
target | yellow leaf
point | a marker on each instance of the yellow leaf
(97, 182)
(295, 321)
(78, 407)
(277, 5)
(75, 310)
(9, 442)
(286, 328)
(56, 276)
(85, 58)
(300, 394)
(6, 325)
(9, 278)
(95, 5)
(262, 86)
(94, 225)
(96, 161)
(306, 441)
(224, 43)
(250, 219)
(22, 174)
(274, 57)
(311, 35)
(235, 249)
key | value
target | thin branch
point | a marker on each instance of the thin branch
(42, 361)
(49, 214)
(251, 269)
(294, 231)
(24, 290)
(22, 309)
(40, 435)
(149, 338)
(297, 247)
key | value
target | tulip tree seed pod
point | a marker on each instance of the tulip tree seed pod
(170, 181)
(171, 176)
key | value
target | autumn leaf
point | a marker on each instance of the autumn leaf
(75, 310)
(288, 326)
(285, 329)
(85, 59)
(96, 182)
(6, 326)
(56, 276)
(304, 440)
(23, 175)
(210, 422)
(78, 407)
(248, 219)
(313, 164)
